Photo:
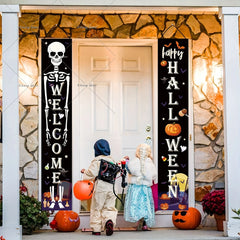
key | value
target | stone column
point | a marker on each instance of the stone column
(11, 221)
(230, 37)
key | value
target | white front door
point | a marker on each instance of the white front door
(114, 96)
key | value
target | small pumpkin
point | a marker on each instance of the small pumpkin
(164, 196)
(186, 219)
(173, 129)
(163, 63)
(182, 206)
(83, 189)
(66, 221)
(164, 206)
(47, 195)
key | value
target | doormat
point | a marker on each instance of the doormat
(118, 229)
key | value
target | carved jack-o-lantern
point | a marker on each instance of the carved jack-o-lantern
(164, 206)
(182, 206)
(186, 219)
(67, 221)
(163, 63)
(173, 129)
(164, 196)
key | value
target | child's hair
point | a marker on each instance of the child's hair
(146, 148)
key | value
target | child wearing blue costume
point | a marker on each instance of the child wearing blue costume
(139, 205)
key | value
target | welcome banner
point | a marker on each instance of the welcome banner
(56, 124)
(173, 73)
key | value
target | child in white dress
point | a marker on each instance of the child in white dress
(139, 205)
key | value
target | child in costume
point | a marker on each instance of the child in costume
(139, 205)
(103, 169)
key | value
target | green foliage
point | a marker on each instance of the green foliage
(32, 217)
(237, 212)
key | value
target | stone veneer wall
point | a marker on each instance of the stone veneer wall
(205, 32)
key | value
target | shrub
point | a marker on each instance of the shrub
(214, 202)
(32, 217)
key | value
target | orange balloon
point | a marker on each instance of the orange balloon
(83, 189)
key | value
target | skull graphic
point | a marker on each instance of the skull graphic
(56, 52)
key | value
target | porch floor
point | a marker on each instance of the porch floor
(156, 233)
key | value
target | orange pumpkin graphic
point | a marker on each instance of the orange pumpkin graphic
(182, 206)
(163, 63)
(164, 206)
(173, 129)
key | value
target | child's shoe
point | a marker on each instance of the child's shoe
(140, 224)
(145, 227)
(109, 227)
(96, 233)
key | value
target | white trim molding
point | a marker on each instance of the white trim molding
(230, 37)
(230, 10)
(11, 228)
(9, 8)
(169, 3)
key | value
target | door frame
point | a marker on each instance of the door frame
(112, 43)
(153, 43)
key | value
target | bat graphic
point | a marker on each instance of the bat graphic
(180, 96)
(63, 171)
(183, 70)
(183, 165)
(178, 46)
(47, 182)
(163, 104)
(165, 45)
(164, 79)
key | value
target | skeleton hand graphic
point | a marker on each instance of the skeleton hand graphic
(65, 137)
(48, 137)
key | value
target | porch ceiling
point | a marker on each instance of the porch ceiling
(119, 10)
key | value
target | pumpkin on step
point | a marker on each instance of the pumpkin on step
(65, 221)
(186, 219)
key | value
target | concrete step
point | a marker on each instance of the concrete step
(154, 234)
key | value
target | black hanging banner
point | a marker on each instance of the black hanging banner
(56, 124)
(173, 74)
